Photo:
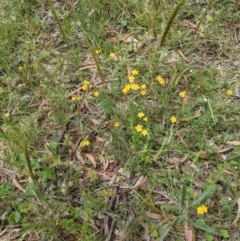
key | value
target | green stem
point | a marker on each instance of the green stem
(38, 192)
(169, 24)
(94, 55)
(59, 23)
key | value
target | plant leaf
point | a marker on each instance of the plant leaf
(164, 230)
(201, 224)
(206, 194)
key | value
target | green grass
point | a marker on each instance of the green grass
(125, 183)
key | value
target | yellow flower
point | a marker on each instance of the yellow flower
(116, 124)
(85, 85)
(143, 92)
(160, 80)
(173, 119)
(76, 98)
(126, 88)
(144, 132)
(182, 94)
(97, 51)
(138, 128)
(86, 82)
(145, 118)
(84, 143)
(96, 93)
(141, 114)
(229, 92)
(131, 79)
(135, 87)
(202, 209)
(134, 72)
(143, 87)
(20, 68)
(112, 55)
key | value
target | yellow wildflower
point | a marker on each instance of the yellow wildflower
(85, 85)
(86, 82)
(85, 143)
(143, 92)
(202, 209)
(173, 119)
(143, 87)
(131, 79)
(229, 92)
(134, 72)
(116, 124)
(182, 94)
(144, 132)
(112, 55)
(141, 114)
(135, 87)
(126, 88)
(97, 51)
(20, 68)
(160, 80)
(138, 128)
(96, 93)
(76, 98)
(145, 118)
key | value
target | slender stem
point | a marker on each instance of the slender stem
(169, 24)
(59, 23)
(94, 55)
(28, 160)
(38, 192)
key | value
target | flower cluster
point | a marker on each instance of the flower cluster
(141, 115)
(132, 85)
(139, 128)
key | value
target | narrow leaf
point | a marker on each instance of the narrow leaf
(205, 195)
(164, 230)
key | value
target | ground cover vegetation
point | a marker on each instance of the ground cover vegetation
(119, 120)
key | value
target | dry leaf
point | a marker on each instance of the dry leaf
(181, 139)
(155, 216)
(189, 232)
(90, 158)
(224, 149)
(185, 100)
(104, 161)
(138, 184)
(233, 143)
(17, 185)
(197, 114)
(238, 213)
